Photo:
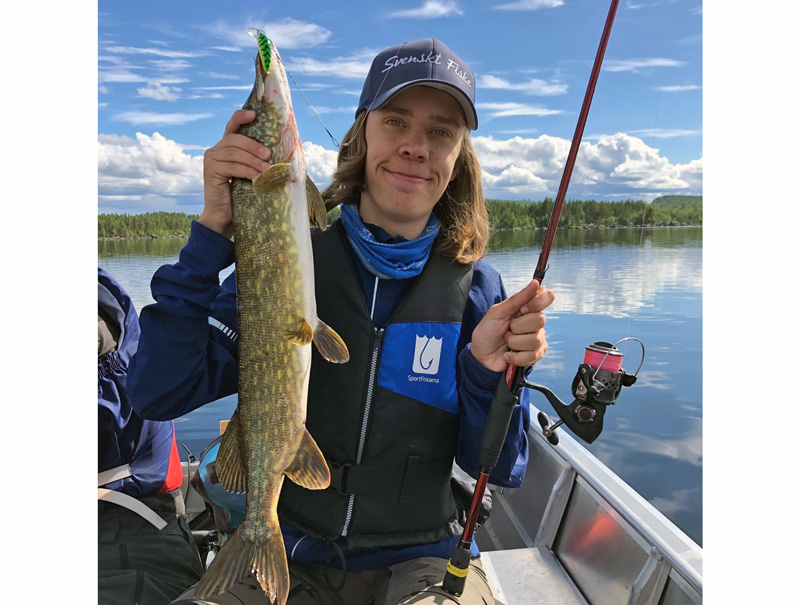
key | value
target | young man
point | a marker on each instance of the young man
(400, 270)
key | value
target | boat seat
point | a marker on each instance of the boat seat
(529, 576)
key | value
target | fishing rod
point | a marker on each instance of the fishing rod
(595, 386)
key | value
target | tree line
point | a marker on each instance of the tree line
(149, 224)
(503, 215)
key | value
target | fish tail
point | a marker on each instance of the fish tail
(264, 558)
(270, 567)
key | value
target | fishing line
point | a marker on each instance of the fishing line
(300, 90)
(358, 128)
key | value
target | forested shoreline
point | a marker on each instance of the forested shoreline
(504, 215)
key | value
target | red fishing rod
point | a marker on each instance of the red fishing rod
(507, 391)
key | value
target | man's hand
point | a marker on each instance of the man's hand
(234, 156)
(512, 331)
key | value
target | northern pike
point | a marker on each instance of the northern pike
(266, 438)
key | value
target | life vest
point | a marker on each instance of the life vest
(136, 457)
(387, 421)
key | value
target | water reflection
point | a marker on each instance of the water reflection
(609, 284)
(616, 276)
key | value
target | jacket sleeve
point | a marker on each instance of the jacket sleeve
(185, 360)
(476, 386)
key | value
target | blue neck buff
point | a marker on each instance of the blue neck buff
(388, 261)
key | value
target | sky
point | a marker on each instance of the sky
(170, 75)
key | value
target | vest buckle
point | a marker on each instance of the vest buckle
(339, 477)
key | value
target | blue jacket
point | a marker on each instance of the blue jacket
(187, 357)
(148, 446)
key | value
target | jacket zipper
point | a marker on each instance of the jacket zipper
(373, 371)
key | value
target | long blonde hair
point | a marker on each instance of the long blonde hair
(463, 221)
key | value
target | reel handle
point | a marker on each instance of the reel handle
(549, 430)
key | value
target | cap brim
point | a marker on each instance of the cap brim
(470, 114)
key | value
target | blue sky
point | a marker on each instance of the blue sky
(170, 74)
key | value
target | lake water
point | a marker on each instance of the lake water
(609, 284)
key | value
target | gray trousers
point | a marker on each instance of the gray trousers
(140, 565)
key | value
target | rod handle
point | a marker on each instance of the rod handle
(494, 433)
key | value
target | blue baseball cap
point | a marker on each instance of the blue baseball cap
(428, 61)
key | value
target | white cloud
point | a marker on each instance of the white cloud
(119, 74)
(208, 95)
(530, 5)
(616, 165)
(429, 10)
(151, 118)
(151, 173)
(355, 66)
(692, 173)
(320, 163)
(171, 65)
(502, 110)
(159, 52)
(146, 166)
(231, 87)
(218, 76)
(159, 92)
(678, 88)
(287, 33)
(138, 171)
(534, 86)
(666, 133)
(637, 64)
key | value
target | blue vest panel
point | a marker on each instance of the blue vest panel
(419, 361)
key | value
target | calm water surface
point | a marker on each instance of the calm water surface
(609, 284)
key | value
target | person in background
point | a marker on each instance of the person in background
(146, 553)
(401, 269)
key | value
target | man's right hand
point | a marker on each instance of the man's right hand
(234, 156)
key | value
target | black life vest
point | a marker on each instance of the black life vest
(388, 420)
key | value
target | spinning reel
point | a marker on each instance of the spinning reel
(596, 385)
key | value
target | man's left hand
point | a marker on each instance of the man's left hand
(512, 331)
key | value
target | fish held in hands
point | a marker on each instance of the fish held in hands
(266, 439)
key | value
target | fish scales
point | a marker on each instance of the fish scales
(266, 439)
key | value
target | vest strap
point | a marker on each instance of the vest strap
(397, 479)
(114, 474)
(124, 500)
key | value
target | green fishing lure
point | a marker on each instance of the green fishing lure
(264, 48)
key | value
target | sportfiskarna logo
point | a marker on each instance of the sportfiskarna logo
(427, 353)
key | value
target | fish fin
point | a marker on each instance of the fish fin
(329, 344)
(309, 469)
(316, 207)
(265, 558)
(304, 334)
(230, 467)
(274, 178)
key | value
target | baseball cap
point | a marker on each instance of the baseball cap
(428, 61)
